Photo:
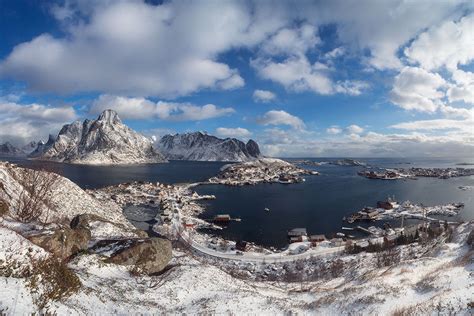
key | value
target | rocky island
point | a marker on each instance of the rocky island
(263, 170)
(105, 140)
(412, 173)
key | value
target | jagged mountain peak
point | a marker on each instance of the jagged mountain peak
(204, 147)
(105, 140)
(109, 116)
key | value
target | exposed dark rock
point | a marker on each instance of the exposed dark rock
(62, 242)
(149, 256)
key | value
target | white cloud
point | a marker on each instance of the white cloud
(171, 49)
(438, 124)
(295, 74)
(263, 96)
(351, 87)
(291, 41)
(278, 143)
(237, 132)
(354, 129)
(335, 53)
(334, 130)
(20, 123)
(275, 117)
(417, 89)
(129, 47)
(142, 109)
(447, 45)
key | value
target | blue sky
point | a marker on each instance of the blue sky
(303, 78)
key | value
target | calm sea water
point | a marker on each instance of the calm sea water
(319, 204)
(92, 177)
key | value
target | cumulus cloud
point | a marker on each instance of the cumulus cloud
(354, 129)
(277, 143)
(20, 123)
(447, 45)
(120, 48)
(295, 74)
(292, 41)
(417, 89)
(141, 109)
(275, 117)
(438, 124)
(237, 132)
(263, 96)
(172, 49)
(334, 130)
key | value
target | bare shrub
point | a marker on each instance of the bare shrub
(336, 268)
(388, 257)
(52, 280)
(37, 194)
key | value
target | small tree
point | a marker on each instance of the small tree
(36, 195)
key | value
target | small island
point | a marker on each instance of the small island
(264, 170)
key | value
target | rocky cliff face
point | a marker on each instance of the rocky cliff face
(105, 140)
(202, 147)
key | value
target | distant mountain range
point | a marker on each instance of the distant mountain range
(199, 146)
(107, 140)
(7, 149)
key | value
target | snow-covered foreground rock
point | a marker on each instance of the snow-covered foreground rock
(105, 140)
(438, 279)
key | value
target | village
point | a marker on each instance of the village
(265, 170)
(413, 173)
(178, 220)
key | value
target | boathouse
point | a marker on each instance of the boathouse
(385, 205)
(297, 232)
(315, 239)
(222, 218)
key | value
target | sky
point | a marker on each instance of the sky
(302, 78)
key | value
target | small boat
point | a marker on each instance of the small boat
(266, 209)
(340, 234)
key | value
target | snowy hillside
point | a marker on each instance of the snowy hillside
(202, 147)
(105, 140)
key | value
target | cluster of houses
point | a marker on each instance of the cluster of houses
(392, 174)
(265, 170)
(301, 235)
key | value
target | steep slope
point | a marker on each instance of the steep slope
(105, 140)
(202, 147)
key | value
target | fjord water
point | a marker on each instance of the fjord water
(319, 204)
(93, 177)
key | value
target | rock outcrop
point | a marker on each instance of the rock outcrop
(199, 146)
(105, 140)
(63, 242)
(149, 256)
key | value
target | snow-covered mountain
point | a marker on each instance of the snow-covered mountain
(105, 140)
(202, 147)
(8, 149)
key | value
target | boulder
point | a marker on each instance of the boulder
(149, 256)
(62, 242)
(83, 221)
